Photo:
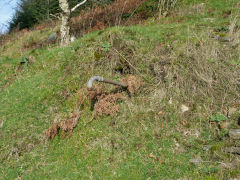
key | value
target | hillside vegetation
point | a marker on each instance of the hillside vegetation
(175, 126)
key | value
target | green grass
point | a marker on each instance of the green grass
(141, 144)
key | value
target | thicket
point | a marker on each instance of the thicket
(31, 12)
(97, 12)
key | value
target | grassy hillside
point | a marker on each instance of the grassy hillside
(190, 58)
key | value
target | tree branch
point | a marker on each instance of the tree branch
(58, 17)
(75, 7)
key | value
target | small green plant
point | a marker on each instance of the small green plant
(24, 61)
(209, 169)
(222, 29)
(218, 118)
(235, 62)
(106, 46)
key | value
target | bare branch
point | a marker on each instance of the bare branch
(75, 7)
(58, 17)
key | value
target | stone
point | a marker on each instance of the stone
(184, 108)
(207, 147)
(52, 37)
(231, 165)
(233, 150)
(234, 134)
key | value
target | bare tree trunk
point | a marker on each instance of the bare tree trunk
(65, 27)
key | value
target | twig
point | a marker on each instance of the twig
(55, 16)
(75, 7)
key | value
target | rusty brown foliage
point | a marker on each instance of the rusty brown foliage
(101, 17)
(107, 104)
(134, 83)
(66, 127)
(52, 131)
(96, 91)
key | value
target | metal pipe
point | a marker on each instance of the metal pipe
(102, 79)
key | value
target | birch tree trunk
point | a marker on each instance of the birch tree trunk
(65, 27)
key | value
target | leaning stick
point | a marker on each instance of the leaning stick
(102, 79)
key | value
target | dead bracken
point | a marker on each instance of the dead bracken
(107, 104)
(52, 131)
(66, 127)
(133, 83)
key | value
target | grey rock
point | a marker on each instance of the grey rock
(233, 150)
(234, 134)
(206, 148)
(231, 165)
(52, 37)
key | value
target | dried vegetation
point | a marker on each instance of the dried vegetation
(106, 103)
(65, 127)
(101, 17)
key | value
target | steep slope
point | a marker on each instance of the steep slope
(188, 64)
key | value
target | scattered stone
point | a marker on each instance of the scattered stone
(231, 165)
(233, 150)
(234, 133)
(184, 108)
(52, 37)
(207, 147)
